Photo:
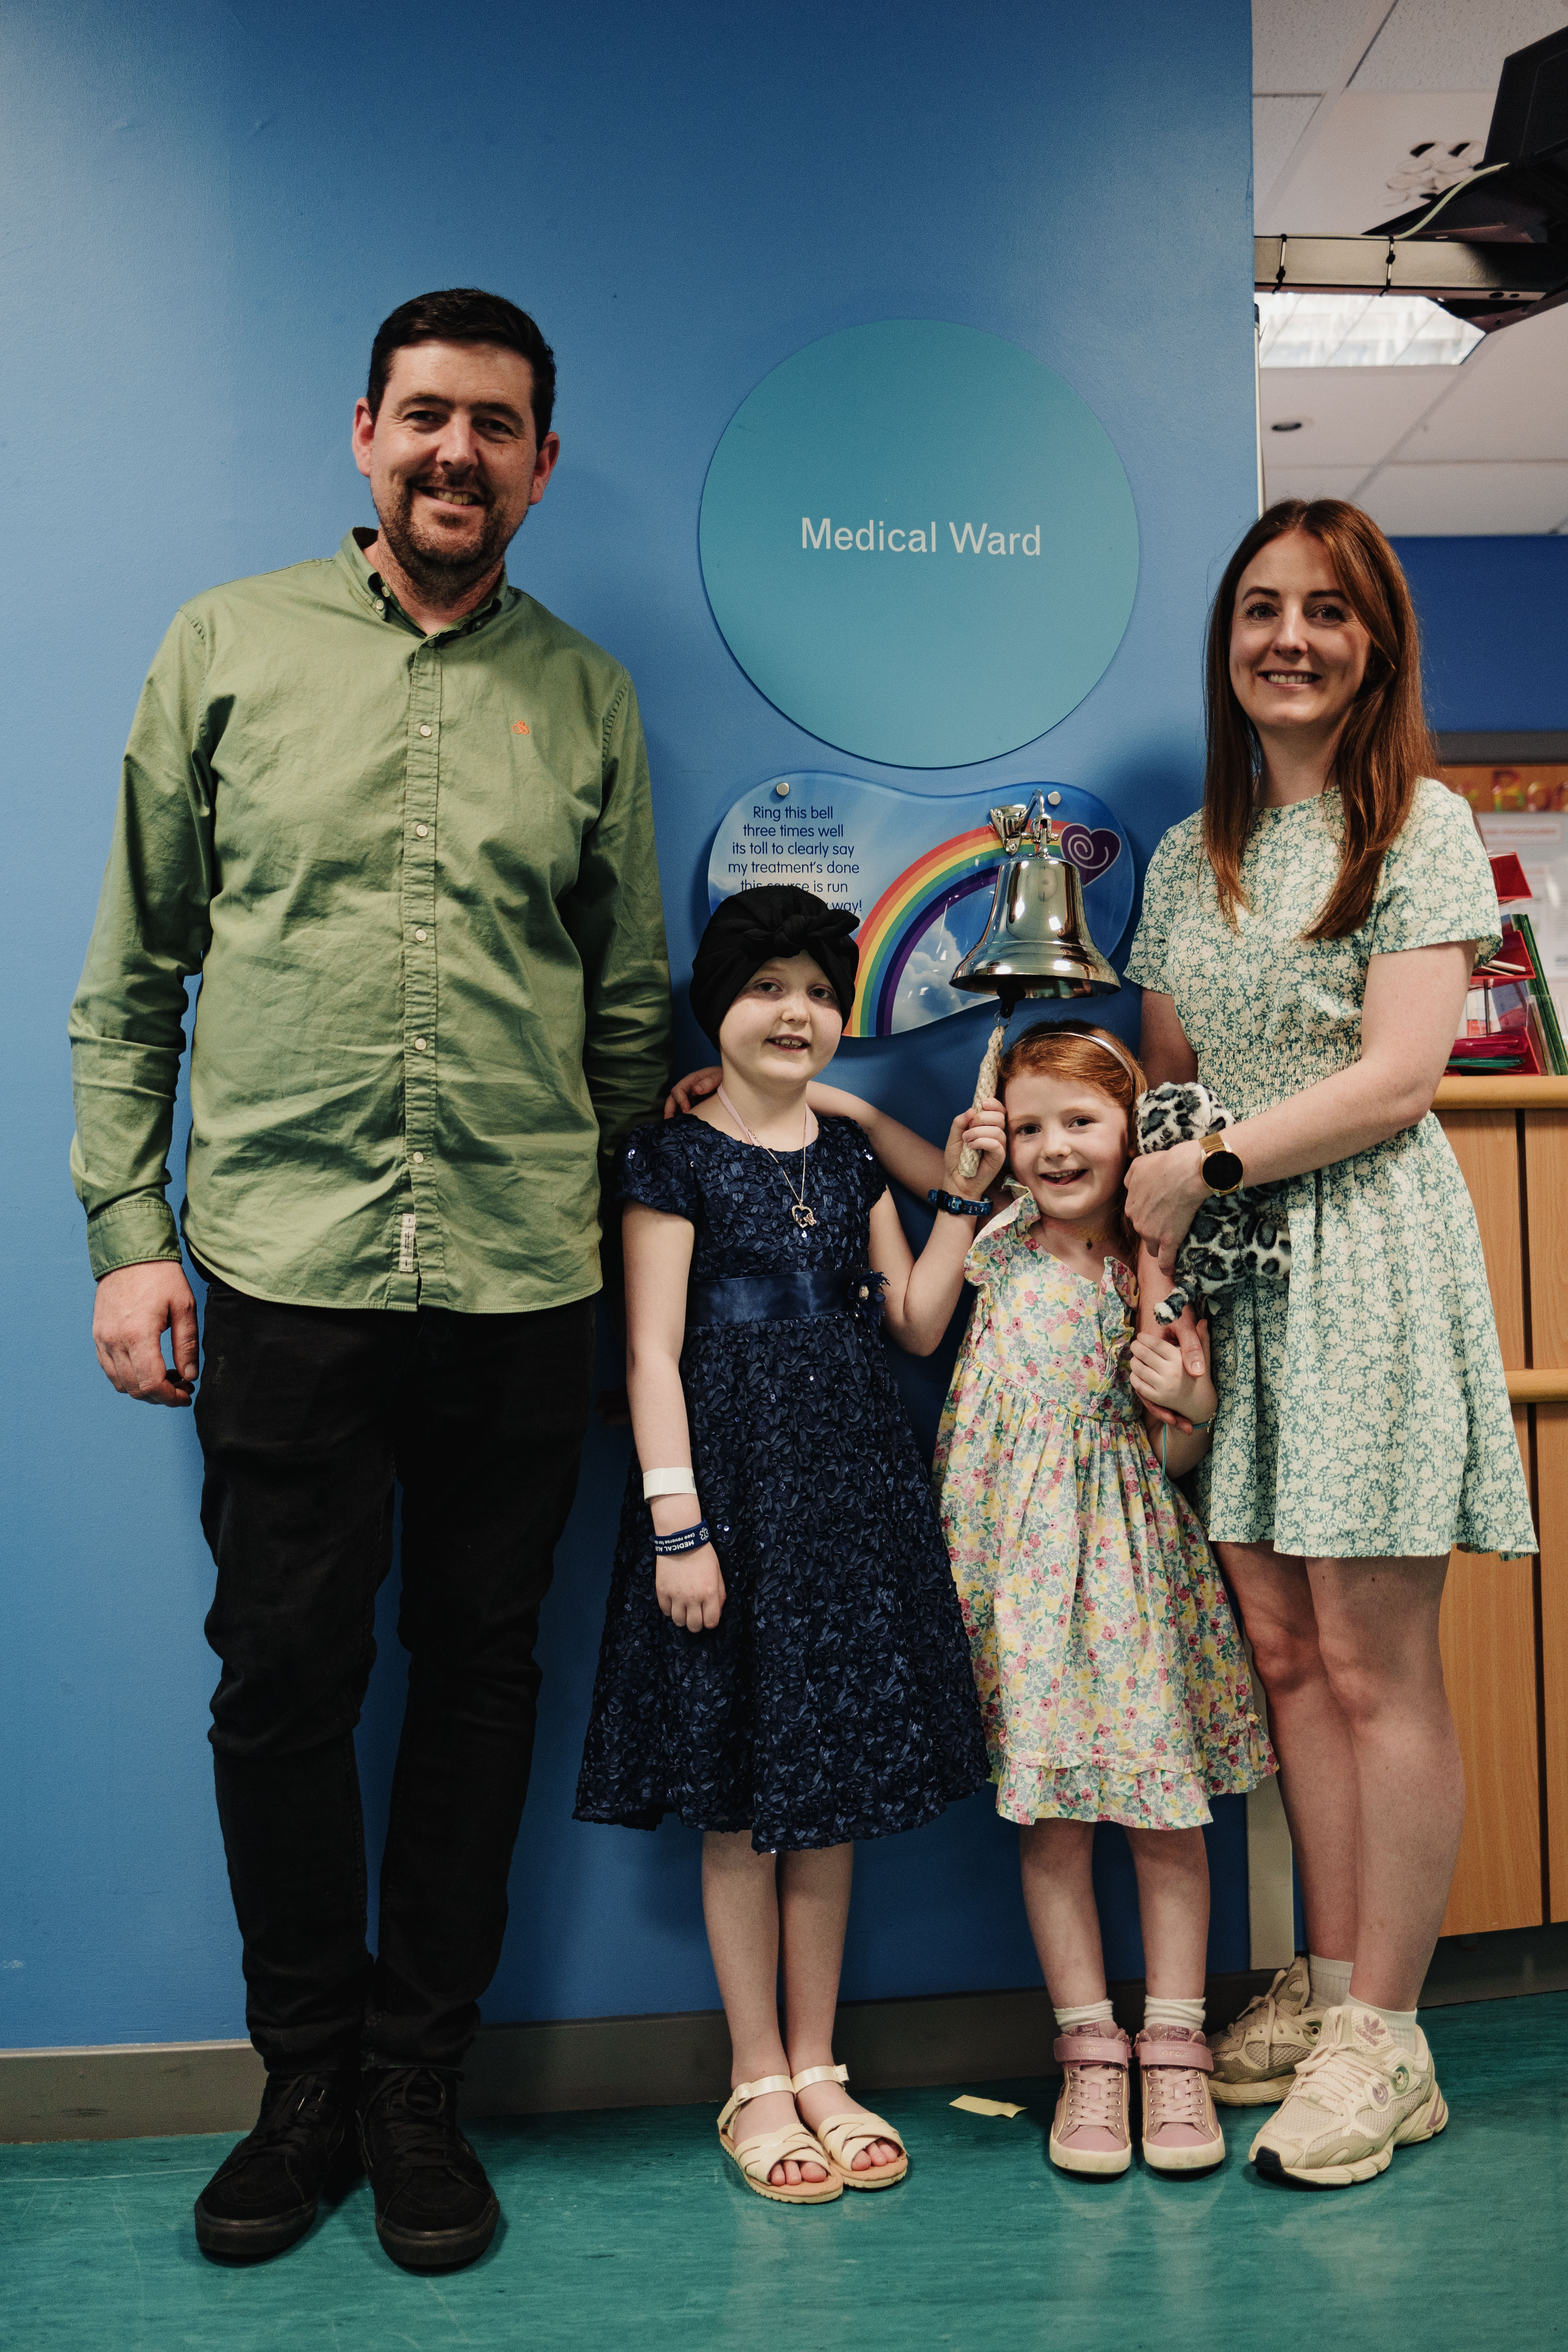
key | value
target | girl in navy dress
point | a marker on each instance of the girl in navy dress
(784, 1663)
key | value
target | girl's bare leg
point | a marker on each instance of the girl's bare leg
(1055, 1858)
(1172, 1910)
(1318, 1770)
(814, 1909)
(740, 1906)
(1377, 1634)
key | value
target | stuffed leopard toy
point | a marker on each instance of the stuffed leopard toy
(1235, 1237)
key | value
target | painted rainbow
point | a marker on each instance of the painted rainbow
(954, 869)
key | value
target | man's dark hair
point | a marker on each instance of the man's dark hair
(465, 315)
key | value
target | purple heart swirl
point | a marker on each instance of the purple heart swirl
(1094, 851)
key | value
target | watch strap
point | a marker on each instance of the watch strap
(956, 1206)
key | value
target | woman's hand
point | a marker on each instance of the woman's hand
(1165, 1191)
(1161, 1378)
(986, 1131)
(690, 1587)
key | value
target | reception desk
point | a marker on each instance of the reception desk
(1505, 1623)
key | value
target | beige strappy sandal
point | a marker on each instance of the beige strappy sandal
(845, 2135)
(756, 2157)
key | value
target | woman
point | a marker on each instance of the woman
(1305, 948)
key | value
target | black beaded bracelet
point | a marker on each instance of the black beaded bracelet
(956, 1207)
(684, 1539)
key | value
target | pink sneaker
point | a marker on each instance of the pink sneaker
(1181, 2129)
(1088, 2131)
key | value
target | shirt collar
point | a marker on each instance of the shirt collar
(373, 591)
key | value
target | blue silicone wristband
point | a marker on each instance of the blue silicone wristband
(684, 1539)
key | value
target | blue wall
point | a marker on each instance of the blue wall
(208, 209)
(1494, 622)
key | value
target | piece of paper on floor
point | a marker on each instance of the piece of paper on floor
(986, 2107)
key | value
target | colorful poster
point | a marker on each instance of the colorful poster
(918, 871)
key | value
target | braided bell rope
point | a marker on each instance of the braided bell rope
(984, 1086)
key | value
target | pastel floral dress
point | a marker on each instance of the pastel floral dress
(1362, 1408)
(1111, 1678)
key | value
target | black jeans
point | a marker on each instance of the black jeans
(307, 1416)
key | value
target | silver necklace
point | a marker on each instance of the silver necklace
(798, 1209)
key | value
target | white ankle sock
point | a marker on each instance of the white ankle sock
(1401, 2023)
(1089, 2012)
(1331, 1982)
(1157, 2014)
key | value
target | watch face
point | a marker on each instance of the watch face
(1222, 1170)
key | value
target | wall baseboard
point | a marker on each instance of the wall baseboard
(126, 2091)
(149, 2091)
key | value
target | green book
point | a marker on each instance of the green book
(1545, 1003)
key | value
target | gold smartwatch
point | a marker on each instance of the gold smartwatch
(1220, 1168)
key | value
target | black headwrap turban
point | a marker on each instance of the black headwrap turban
(753, 928)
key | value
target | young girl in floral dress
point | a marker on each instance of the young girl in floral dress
(1112, 1677)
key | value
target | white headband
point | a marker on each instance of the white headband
(1091, 1038)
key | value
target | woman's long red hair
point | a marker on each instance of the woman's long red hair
(1386, 745)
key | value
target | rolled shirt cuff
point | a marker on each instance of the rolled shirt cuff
(133, 1232)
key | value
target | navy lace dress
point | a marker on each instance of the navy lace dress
(833, 1699)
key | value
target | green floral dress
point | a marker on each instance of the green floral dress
(1363, 1411)
(1111, 1678)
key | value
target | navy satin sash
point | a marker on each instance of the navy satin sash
(768, 1297)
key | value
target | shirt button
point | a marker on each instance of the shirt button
(422, 830)
(421, 935)
(425, 730)
(419, 1159)
(419, 1044)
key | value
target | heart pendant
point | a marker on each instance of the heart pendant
(803, 1216)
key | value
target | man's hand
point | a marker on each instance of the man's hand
(689, 1091)
(135, 1307)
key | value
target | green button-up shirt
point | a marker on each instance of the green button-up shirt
(417, 875)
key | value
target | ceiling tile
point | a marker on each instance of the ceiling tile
(1432, 45)
(1509, 400)
(1360, 168)
(1468, 500)
(1291, 481)
(1351, 417)
(1296, 49)
(1276, 124)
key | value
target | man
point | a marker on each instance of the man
(398, 816)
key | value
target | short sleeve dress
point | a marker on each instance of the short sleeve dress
(1111, 1675)
(1364, 1411)
(833, 1699)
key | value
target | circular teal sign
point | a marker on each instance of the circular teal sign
(919, 543)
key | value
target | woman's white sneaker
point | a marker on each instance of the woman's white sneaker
(1359, 2096)
(1254, 2060)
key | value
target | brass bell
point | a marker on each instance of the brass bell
(1036, 941)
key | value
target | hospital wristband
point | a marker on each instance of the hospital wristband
(685, 1539)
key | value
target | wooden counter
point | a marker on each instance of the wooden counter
(1505, 1623)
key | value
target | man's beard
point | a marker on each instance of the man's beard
(437, 571)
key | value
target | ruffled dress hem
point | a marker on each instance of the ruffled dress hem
(1153, 1798)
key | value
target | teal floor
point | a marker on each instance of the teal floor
(629, 2228)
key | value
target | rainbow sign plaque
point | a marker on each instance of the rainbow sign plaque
(917, 869)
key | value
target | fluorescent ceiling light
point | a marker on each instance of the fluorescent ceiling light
(1303, 330)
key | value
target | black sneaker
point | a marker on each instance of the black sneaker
(435, 2209)
(262, 2197)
